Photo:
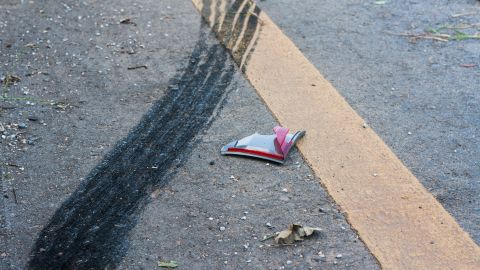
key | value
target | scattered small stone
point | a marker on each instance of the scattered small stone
(269, 225)
(364, 125)
(409, 133)
(222, 228)
(289, 262)
(127, 21)
(339, 256)
(31, 45)
(210, 218)
(244, 218)
(249, 261)
(22, 126)
(285, 190)
(212, 162)
(33, 118)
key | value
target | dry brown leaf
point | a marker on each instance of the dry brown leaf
(295, 232)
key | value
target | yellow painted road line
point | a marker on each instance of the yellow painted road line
(401, 223)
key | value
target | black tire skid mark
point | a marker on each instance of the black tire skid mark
(229, 30)
(89, 230)
(252, 26)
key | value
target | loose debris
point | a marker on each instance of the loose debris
(9, 80)
(169, 264)
(14, 196)
(273, 147)
(128, 21)
(468, 65)
(444, 33)
(137, 67)
(266, 237)
(295, 232)
(413, 37)
(31, 45)
(464, 14)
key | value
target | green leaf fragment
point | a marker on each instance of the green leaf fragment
(169, 264)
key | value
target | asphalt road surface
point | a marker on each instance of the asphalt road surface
(110, 154)
(421, 96)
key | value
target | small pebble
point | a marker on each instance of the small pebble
(268, 225)
(289, 262)
(212, 162)
(210, 218)
(244, 217)
(32, 118)
(22, 125)
(222, 228)
(409, 133)
(339, 256)
(285, 190)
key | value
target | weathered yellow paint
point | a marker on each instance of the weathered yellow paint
(401, 223)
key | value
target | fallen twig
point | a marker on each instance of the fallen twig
(437, 37)
(266, 237)
(14, 195)
(7, 107)
(464, 14)
(137, 67)
(468, 65)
